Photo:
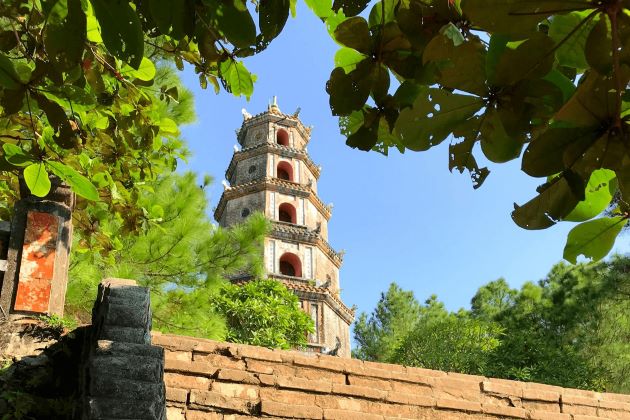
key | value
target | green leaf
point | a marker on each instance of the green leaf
(8, 76)
(145, 72)
(71, 97)
(121, 30)
(272, 16)
(597, 56)
(235, 23)
(350, 7)
(593, 239)
(321, 8)
(452, 32)
(37, 179)
(377, 17)
(354, 33)
(553, 203)
(527, 60)
(79, 184)
(349, 92)
(169, 126)
(239, 80)
(434, 115)
(571, 52)
(348, 58)
(599, 192)
(496, 143)
(545, 155)
(173, 18)
(16, 156)
(93, 30)
(65, 34)
(58, 120)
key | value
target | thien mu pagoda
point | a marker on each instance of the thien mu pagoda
(272, 173)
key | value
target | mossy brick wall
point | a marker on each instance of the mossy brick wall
(211, 380)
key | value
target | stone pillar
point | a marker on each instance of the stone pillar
(36, 273)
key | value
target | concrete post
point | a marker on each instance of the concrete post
(36, 273)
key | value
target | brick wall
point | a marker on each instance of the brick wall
(210, 380)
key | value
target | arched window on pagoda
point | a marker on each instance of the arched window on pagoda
(282, 137)
(287, 213)
(290, 265)
(284, 171)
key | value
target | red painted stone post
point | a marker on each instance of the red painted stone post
(36, 273)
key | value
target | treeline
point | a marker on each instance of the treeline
(571, 328)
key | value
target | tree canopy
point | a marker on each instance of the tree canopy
(571, 328)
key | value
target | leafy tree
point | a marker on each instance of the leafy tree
(263, 313)
(572, 329)
(450, 343)
(497, 77)
(81, 99)
(180, 255)
(394, 317)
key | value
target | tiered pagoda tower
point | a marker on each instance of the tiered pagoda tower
(273, 174)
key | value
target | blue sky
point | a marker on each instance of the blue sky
(402, 218)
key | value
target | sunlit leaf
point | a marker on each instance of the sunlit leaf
(37, 179)
(593, 239)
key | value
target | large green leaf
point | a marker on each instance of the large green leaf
(593, 239)
(572, 29)
(349, 92)
(79, 184)
(239, 80)
(65, 34)
(551, 205)
(174, 18)
(461, 154)
(37, 179)
(354, 33)
(460, 67)
(496, 143)
(16, 156)
(350, 7)
(272, 16)
(58, 120)
(145, 72)
(321, 8)
(599, 192)
(8, 76)
(235, 23)
(527, 60)
(599, 57)
(121, 30)
(434, 115)
(348, 58)
(71, 97)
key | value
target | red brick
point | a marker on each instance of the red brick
(615, 405)
(615, 397)
(583, 417)
(504, 411)
(267, 380)
(184, 356)
(259, 353)
(410, 399)
(341, 403)
(303, 384)
(579, 400)
(173, 342)
(392, 410)
(259, 367)
(460, 405)
(334, 414)
(358, 391)
(421, 372)
(515, 388)
(175, 413)
(410, 388)
(290, 410)
(203, 415)
(541, 394)
(216, 400)
(454, 388)
(233, 375)
(546, 415)
(176, 395)
(369, 382)
(245, 392)
(219, 361)
(534, 405)
(175, 380)
(287, 397)
(579, 409)
(192, 368)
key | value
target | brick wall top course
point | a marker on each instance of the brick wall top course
(207, 379)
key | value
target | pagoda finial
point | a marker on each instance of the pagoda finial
(274, 104)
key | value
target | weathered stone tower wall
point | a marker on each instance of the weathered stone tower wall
(273, 174)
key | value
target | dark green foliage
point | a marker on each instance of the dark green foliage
(263, 313)
(179, 254)
(548, 77)
(570, 329)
